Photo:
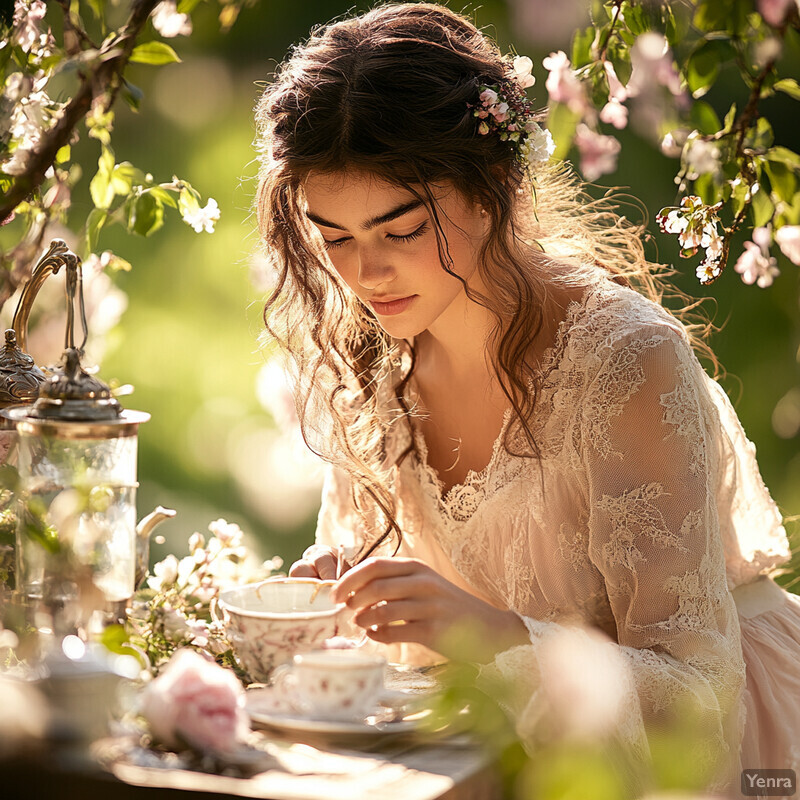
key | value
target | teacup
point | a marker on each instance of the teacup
(269, 622)
(340, 685)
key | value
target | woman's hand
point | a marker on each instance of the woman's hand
(404, 600)
(318, 561)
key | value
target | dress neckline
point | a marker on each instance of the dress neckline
(475, 478)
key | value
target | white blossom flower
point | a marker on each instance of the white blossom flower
(788, 239)
(165, 573)
(538, 146)
(168, 22)
(203, 219)
(522, 72)
(27, 16)
(229, 533)
(701, 157)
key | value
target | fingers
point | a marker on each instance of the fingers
(379, 579)
(302, 569)
(318, 561)
(393, 612)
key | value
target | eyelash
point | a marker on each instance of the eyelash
(409, 237)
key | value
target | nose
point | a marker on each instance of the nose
(373, 269)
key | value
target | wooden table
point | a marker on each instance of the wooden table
(454, 769)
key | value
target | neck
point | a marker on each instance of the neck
(454, 349)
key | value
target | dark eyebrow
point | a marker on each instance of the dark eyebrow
(404, 208)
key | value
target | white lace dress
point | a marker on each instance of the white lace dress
(646, 518)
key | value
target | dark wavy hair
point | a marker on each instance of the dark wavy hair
(389, 92)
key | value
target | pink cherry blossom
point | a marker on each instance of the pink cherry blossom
(598, 153)
(774, 12)
(614, 113)
(616, 91)
(755, 266)
(653, 64)
(562, 85)
(193, 700)
(788, 239)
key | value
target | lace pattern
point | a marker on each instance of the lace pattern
(616, 527)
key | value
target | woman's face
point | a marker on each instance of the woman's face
(382, 242)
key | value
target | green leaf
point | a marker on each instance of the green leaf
(147, 215)
(730, 118)
(98, 6)
(125, 176)
(762, 208)
(637, 20)
(760, 136)
(704, 118)
(706, 189)
(722, 15)
(738, 198)
(782, 180)
(187, 6)
(702, 68)
(582, 47)
(100, 188)
(561, 122)
(94, 224)
(620, 57)
(189, 200)
(163, 196)
(785, 156)
(63, 154)
(788, 86)
(155, 53)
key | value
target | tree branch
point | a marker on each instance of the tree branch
(102, 78)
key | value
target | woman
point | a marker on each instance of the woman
(518, 440)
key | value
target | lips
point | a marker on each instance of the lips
(391, 307)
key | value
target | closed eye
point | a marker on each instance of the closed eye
(409, 237)
(336, 242)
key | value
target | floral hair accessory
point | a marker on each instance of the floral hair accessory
(504, 109)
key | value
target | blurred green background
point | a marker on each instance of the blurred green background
(189, 339)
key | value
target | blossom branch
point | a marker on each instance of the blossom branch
(102, 78)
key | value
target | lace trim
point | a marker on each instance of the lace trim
(460, 502)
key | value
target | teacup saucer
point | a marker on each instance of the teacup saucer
(269, 709)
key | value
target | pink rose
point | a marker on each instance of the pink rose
(196, 701)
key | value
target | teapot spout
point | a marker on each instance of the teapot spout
(143, 530)
(152, 520)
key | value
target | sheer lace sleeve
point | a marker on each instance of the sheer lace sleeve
(337, 522)
(654, 535)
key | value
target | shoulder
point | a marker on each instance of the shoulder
(615, 324)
